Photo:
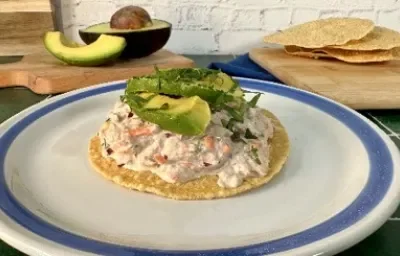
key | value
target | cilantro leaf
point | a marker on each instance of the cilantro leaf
(233, 113)
(253, 102)
(254, 155)
(249, 135)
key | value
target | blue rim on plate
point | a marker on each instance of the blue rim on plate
(379, 180)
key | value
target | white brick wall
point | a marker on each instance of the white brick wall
(228, 26)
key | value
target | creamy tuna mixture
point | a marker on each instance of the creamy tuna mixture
(143, 146)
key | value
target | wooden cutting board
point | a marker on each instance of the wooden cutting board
(44, 74)
(23, 23)
(359, 86)
(22, 26)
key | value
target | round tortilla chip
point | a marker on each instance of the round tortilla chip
(380, 38)
(305, 52)
(354, 56)
(322, 32)
(350, 56)
(203, 188)
(396, 53)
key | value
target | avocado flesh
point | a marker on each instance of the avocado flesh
(187, 116)
(206, 83)
(106, 48)
(105, 28)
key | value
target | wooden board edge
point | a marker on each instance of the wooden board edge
(393, 103)
(44, 86)
(279, 73)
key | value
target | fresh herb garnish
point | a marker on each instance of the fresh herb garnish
(220, 100)
(230, 124)
(185, 74)
(234, 87)
(254, 155)
(236, 137)
(104, 144)
(233, 113)
(253, 102)
(159, 84)
(159, 77)
(246, 91)
(249, 135)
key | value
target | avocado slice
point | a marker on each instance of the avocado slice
(105, 49)
(208, 84)
(187, 116)
(141, 42)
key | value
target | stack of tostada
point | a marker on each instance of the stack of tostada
(351, 40)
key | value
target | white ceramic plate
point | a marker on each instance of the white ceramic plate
(341, 183)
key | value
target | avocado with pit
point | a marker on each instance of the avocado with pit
(143, 34)
(187, 116)
(208, 84)
(105, 49)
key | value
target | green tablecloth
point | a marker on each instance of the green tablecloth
(384, 242)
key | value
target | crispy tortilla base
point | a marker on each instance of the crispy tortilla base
(350, 56)
(322, 32)
(203, 188)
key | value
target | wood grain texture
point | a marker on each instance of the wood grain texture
(359, 86)
(25, 6)
(23, 24)
(44, 74)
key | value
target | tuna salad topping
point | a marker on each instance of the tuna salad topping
(142, 146)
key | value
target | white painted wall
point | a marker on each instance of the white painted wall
(227, 26)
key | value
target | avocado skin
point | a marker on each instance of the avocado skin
(86, 63)
(140, 43)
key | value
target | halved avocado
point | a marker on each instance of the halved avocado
(187, 116)
(104, 49)
(141, 42)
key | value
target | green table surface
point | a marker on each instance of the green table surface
(384, 242)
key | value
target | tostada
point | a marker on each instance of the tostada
(189, 134)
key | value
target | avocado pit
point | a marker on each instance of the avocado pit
(130, 17)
